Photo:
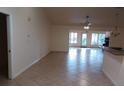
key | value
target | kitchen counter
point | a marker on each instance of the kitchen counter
(113, 65)
(119, 52)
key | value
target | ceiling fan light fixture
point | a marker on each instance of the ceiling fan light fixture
(87, 24)
(86, 27)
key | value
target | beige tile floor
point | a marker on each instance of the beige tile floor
(78, 67)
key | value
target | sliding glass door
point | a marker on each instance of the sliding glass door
(97, 39)
(101, 39)
(94, 39)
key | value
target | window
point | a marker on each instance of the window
(73, 37)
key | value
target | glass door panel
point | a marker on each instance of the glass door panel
(94, 39)
(84, 39)
(101, 39)
(97, 39)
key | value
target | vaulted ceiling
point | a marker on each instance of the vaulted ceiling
(104, 16)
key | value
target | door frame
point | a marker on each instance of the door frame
(9, 37)
(9, 43)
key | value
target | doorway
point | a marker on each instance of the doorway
(3, 46)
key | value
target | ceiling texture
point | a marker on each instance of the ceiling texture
(99, 16)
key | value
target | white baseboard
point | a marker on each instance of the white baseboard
(24, 69)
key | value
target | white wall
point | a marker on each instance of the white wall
(29, 37)
(60, 36)
(59, 39)
(119, 40)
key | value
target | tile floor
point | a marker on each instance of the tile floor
(78, 67)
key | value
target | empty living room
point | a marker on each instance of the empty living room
(61, 46)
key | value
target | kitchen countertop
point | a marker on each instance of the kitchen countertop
(113, 65)
(114, 51)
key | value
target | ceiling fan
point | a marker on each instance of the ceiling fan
(87, 24)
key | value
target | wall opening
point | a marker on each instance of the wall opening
(5, 46)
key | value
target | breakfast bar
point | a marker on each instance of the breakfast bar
(113, 65)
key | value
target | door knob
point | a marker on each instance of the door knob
(9, 51)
